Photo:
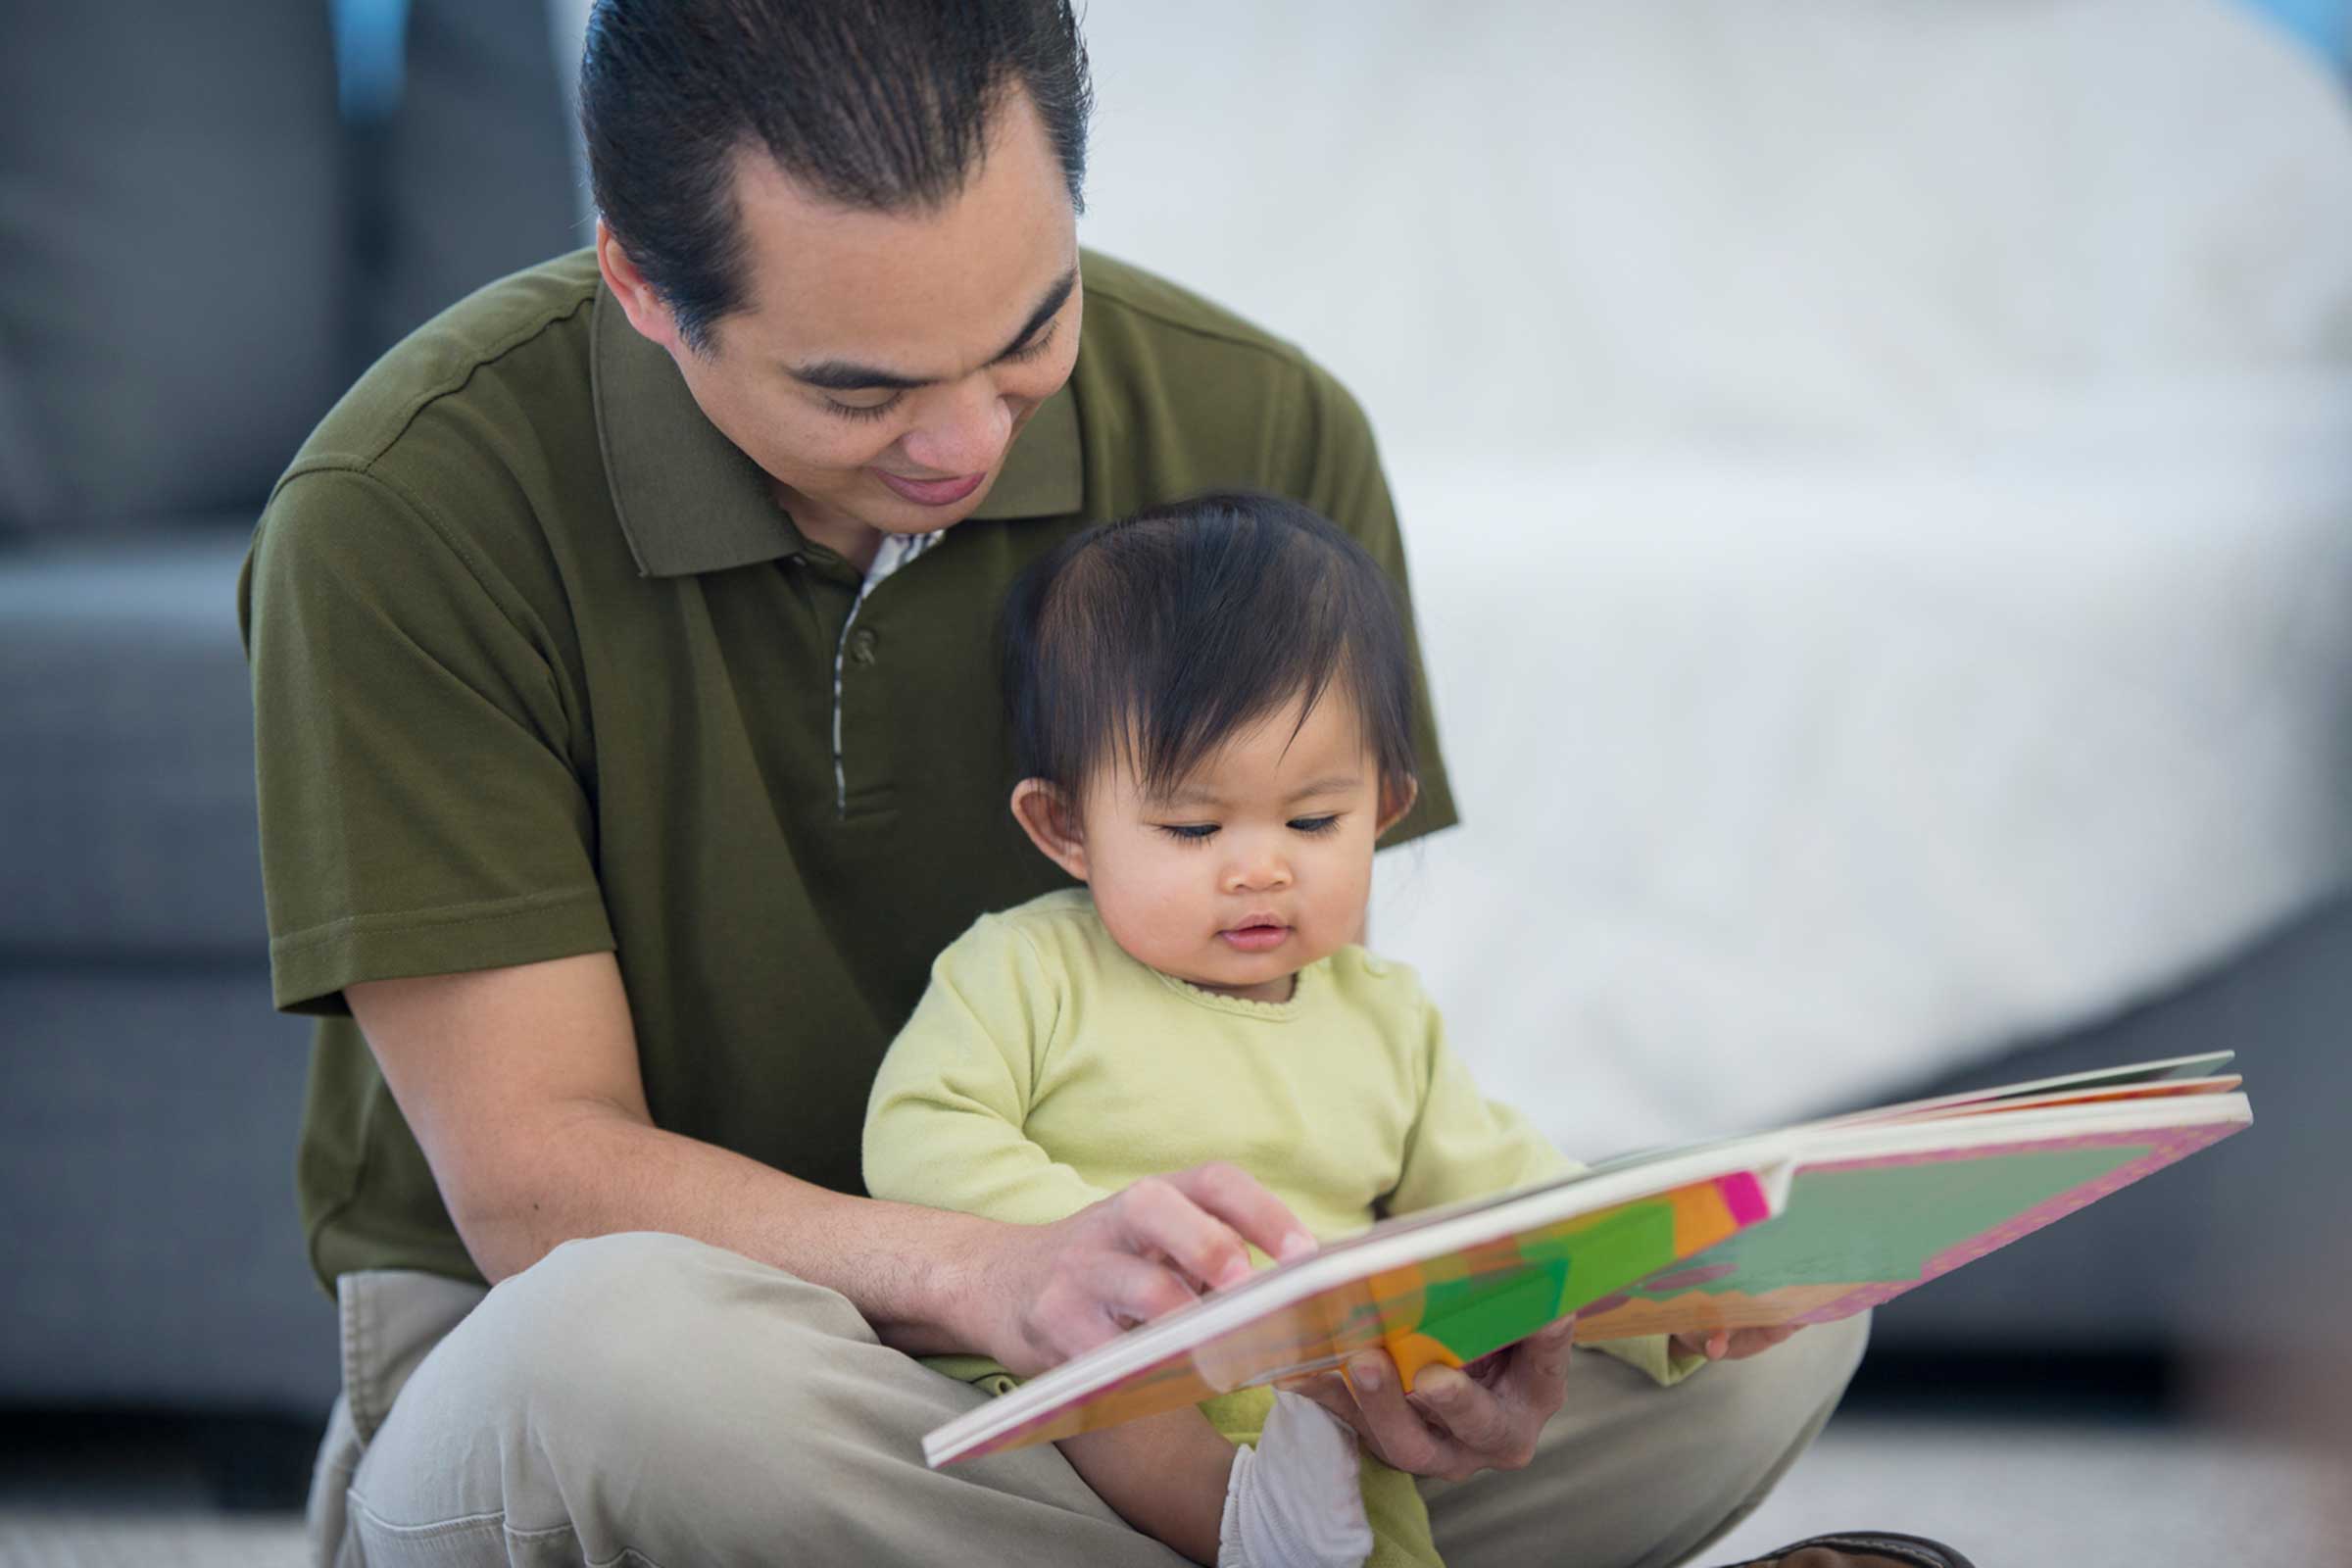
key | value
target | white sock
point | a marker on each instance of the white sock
(1296, 1500)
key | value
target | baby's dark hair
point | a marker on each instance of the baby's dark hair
(1155, 639)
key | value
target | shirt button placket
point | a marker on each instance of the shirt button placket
(859, 650)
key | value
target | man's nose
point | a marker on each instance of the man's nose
(963, 432)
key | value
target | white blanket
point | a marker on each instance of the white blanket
(1787, 784)
(1880, 485)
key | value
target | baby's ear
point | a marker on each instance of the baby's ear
(1050, 819)
(1394, 801)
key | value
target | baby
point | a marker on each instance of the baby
(1212, 707)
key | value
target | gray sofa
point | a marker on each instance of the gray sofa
(197, 253)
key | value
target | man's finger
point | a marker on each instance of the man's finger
(1536, 1378)
(1330, 1390)
(1157, 1217)
(1560, 1331)
(1130, 1290)
(1548, 1345)
(1755, 1341)
(1403, 1436)
(1235, 1196)
(1470, 1413)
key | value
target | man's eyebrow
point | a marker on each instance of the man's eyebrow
(1048, 306)
(846, 375)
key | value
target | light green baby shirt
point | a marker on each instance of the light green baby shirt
(1044, 1070)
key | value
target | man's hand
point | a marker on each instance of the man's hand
(1485, 1416)
(1732, 1344)
(1050, 1292)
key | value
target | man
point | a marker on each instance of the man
(628, 745)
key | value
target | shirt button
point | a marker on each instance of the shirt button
(862, 646)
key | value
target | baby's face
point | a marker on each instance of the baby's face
(1252, 868)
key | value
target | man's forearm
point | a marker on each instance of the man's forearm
(597, 1171)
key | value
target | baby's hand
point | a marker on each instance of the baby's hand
(1732, 1344)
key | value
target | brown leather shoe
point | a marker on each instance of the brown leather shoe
(1861, 1549)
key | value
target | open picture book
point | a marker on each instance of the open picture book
(1805, 1224)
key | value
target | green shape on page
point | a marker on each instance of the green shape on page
(1472, 1317)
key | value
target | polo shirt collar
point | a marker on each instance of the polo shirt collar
(690, 501)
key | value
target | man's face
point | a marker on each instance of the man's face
(883, 362)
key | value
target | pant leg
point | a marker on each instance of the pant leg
(1631, 1475)
(650, 1400)
(390, 1319)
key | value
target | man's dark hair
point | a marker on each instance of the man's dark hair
(881, 104)
(1155, 639)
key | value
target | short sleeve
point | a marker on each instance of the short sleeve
(944, 1125)
(422, 810)
(1345, 482)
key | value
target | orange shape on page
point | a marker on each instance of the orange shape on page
(1397, 1298)
(1413, 1352)
(1701, 1217)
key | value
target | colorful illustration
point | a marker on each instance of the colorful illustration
(1451, 1308)
(1805, 1225)
(1862, 1232)
(1461, 1309)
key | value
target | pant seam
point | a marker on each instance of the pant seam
(360, 1393)
(496, 1519)
(484, 1523)
(626, 1554)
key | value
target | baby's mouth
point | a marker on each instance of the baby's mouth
(1257, 934)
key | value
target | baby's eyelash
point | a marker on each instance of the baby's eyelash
(1201, 832)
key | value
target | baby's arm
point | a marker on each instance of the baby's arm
(945, 1122)
(1296, 1501)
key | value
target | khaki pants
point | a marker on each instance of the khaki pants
(650, 1400)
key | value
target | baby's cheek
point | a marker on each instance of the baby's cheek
(1143, 921)
(1350, 898)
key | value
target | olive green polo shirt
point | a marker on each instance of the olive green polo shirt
(540, 668)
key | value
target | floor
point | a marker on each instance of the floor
(2025, 1495)
(2013, 1493)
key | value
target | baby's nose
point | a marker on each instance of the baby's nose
(1257, 873)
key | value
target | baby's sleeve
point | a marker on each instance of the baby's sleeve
(944, 1123)
(1464, 1144)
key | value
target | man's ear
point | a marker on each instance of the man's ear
(639, 302)
(1050, 819)
(1395, 802)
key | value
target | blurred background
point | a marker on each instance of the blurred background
(1878, 484)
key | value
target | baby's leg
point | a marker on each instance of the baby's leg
(1293, 1501)
(1165, 1474)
